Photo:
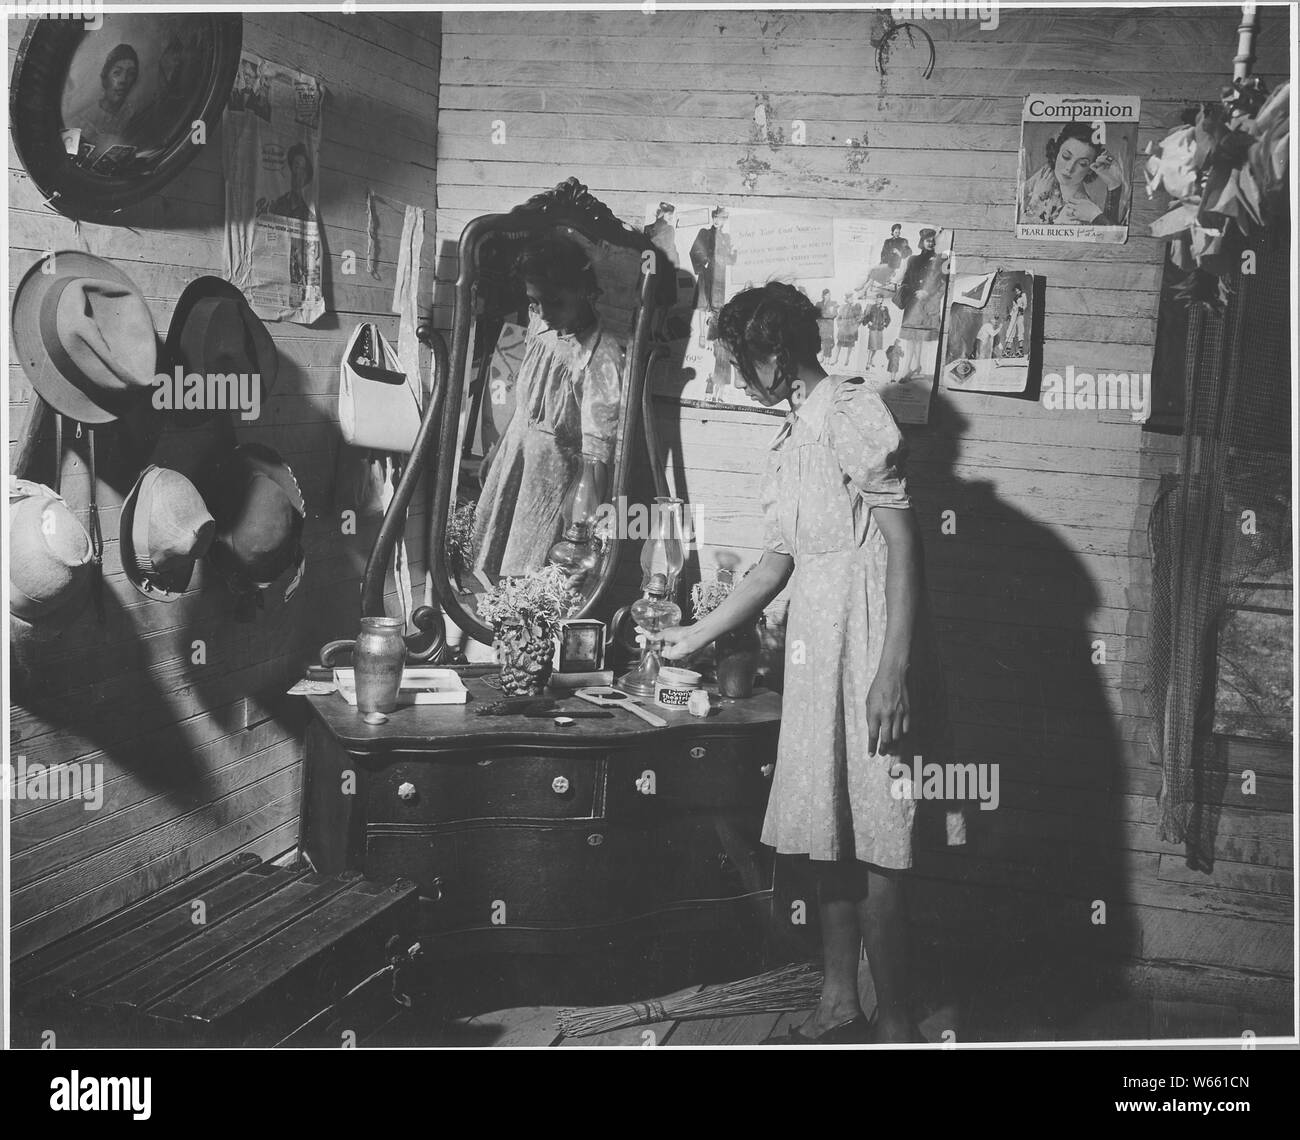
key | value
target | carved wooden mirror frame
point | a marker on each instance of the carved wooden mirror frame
(569, 204)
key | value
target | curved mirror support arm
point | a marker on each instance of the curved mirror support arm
(653, 450)
(429, 644)
(569, 205)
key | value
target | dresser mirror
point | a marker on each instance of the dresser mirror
(547, 365)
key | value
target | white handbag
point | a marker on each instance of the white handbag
(379, 405)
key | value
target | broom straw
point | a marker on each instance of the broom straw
(778, 991)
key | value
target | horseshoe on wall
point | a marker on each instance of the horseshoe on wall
(894, 29)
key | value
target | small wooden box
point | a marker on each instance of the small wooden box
(240, 954)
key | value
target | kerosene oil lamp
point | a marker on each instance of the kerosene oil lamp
(577, 551)
(662, 558)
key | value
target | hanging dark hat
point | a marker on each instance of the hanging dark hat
(214, 330)
(166, 528)
(259, 512)
(84, 336)
(51, 559)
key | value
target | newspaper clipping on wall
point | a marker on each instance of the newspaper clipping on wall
(271, 131)
(986, 344)
(879, 287)
(1076, 167)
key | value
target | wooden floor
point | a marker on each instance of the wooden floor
(1133, 1019)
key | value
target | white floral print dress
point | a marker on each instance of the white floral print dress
(833, 465)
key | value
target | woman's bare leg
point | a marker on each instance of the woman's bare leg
(840, 894)
(883, 918)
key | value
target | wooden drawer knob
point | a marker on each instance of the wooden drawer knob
(560, 785)
(406, 791)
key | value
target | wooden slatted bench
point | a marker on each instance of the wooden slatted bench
(238, 954)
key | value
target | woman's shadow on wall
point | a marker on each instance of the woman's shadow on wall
(1021, 932)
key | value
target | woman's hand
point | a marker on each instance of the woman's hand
(888, 717)
(1080, 211)
(678, 642)
(1109, 169)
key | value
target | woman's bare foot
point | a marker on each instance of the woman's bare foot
(829, 1016)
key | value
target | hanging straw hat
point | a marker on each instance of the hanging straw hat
(51, 559)
(259, 512)
(166, 528)
(84, 336)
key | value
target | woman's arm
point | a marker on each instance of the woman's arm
(743, 604)
(887, 708)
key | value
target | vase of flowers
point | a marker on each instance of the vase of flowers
(525, 615)
(736, 652)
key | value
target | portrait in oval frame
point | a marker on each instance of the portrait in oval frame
(104, 116)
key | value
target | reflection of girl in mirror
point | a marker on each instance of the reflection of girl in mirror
(104, 121)
(568, 396)
(1081, 183)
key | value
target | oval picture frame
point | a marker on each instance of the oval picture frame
(132, 130)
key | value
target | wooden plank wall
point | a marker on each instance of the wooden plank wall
(1049, 561)
(202, 760)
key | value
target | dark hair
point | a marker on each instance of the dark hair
(894, 227)
(119, 53)
(1080, 132)
(559, 262)
(771, 320)
(299, 150)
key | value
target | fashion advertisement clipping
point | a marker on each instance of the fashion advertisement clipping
(879, 287)
(1076, 167)
(271, 131)
(987, 335)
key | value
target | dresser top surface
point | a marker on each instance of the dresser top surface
(437, 727)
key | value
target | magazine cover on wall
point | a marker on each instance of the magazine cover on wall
(271, 133)
(1076, 167)
(987, 336)
(880, 287)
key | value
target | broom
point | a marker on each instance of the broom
(777, 991)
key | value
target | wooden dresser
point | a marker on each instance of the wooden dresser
(527, 838)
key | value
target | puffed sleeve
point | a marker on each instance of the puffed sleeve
(868, 445)
(602, 400)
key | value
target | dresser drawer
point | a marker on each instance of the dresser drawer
(490, 876)
(701, 773)
(706, 856)
(484, 785)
